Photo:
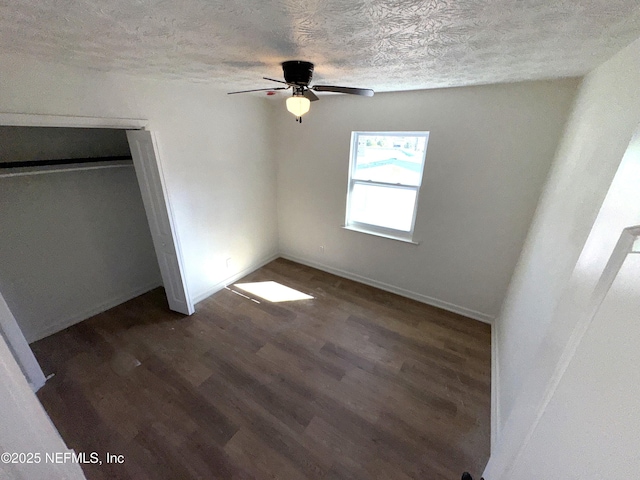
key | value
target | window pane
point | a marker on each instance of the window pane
(390, 158)
(383, 206)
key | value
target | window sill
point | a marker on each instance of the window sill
(378, 234)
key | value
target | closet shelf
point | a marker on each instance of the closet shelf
(58, 162)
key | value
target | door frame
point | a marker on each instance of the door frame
(18, 345)
(43, 120)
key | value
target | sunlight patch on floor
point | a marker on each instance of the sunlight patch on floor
(273, 291)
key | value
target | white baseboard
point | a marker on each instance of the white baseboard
(482, 317)
(220, 285)
(55, 325)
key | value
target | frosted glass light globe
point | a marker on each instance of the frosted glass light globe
(298, 105)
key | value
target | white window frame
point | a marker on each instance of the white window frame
(376, 229)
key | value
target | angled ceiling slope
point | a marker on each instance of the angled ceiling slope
(383, 44)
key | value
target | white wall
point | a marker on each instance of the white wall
(489, 151)
(583, 209)
(215, 154)
(72, 244)
(605, 116)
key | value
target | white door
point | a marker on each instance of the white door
(145, 156)
(19, 347)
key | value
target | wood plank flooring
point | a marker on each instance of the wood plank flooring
(356, 383)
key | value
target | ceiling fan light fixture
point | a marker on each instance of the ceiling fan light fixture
(298, 105)
(297, 77)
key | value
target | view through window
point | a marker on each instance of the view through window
(384, 181)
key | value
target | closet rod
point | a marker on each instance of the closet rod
(68, 161)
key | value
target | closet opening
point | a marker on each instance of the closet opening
(85, 226)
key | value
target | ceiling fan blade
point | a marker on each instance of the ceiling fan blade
(259, 90)
(367, 92)
(274, 80)
(310, 95)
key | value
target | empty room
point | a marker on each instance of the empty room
(320, 240)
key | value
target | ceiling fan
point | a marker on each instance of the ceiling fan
(297, 76)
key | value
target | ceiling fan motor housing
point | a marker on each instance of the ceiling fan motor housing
(298, 72)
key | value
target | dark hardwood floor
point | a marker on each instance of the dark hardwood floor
(354, 384)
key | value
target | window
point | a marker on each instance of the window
(384, 182)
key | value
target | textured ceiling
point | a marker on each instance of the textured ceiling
(380, 44)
